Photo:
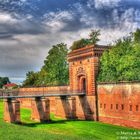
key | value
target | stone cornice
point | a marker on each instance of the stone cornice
(87, 51)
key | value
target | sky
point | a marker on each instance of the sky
(29, 28)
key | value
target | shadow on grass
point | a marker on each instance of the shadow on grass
(35, 124)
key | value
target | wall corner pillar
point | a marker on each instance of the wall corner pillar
(40, 109)
(11, 110)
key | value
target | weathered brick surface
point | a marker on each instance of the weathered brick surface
(119, 104)
(83, 69)
(83, 107)
(66, 107)
(44, 89)
(83, 65)
(11, 111)
(26, 102)
(86, 107)
(40, 109)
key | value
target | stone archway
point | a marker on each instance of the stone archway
(82, 86)
(81, 80)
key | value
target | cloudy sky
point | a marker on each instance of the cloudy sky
(28, 28)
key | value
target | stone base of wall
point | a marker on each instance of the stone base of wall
(86, 107)
(122, 122)
(40, 109)
(119, 104)
(66, 107)
(78, 107)
(11, 111)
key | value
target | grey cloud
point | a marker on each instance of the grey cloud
(25, 41)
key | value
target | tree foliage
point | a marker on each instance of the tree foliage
(93, 39)
(78, 44)
(56, 65)
(31, 78)
(122, 62)
(3, 81)
(136, 36)
(55, 69)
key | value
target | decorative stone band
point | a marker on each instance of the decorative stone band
(87, 51)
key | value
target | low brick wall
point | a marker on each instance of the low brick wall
(119, 104)
(45, 89)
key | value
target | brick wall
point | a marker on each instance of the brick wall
(119, 104)
(26, 102)
(83, 68)
(45, 89)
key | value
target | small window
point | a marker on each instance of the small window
(117, 106)
(111, 106)
(100, 105)
(137, 108)
(130, 107)
(122, 106)
(104, 106)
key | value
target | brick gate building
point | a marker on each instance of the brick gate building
(83, 70)
(115, 103)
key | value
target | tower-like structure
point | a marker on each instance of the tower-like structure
(83, 70)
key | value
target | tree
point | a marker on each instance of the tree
(56, 65)
(3, 81)
(41, 79)
(122, 62)
(31, 78)
(78, 44)
(55, 69)
(93, 39)
(137, 36)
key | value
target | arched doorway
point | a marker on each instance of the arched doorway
(82, 84)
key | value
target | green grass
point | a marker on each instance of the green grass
(58, 129)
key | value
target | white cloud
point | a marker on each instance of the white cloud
(57, 21)
(103, 3)
(130, 19)
(7, 18)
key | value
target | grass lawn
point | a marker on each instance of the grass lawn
(60, 129)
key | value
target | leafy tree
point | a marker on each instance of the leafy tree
(31, 78)
(41, 79)
(78, 44)
(3, 81)
(137, 36)
(122, 62)
(54, 71)
(56, 65)
(93, 39)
